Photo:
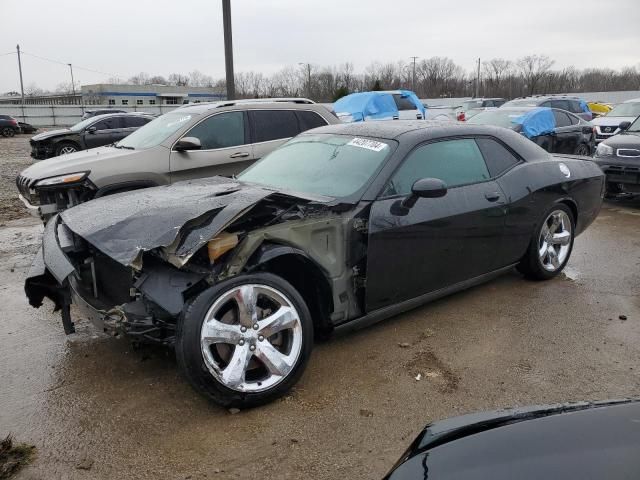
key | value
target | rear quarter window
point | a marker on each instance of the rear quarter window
(273, 124)
(308, 120)
(403, 103)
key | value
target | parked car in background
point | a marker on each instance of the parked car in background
(586, 440)
(557, 131)
(379, 105)
(8, 126)
(27, 127)
(575, 105)
(469, 108)
(608, 125)
(102, 111)
(90, 133)
(197, 140)
(341, 227)
(441, 112)
(619, 158)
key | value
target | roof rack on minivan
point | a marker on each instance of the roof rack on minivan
(231, 103)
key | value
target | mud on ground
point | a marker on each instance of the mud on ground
(14, 157)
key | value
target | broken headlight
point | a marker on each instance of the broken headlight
(221, 244)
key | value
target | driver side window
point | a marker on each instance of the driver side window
(220, 131)
(455, 162)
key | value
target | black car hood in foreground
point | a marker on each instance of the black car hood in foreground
(573, 441)
(181, 217)
(50, 134)
(624, 140)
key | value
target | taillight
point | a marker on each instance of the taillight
(461, 117)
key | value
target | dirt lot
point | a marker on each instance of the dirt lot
(14, 157)
(95, 408)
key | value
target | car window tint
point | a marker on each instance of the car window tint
(107, 124)
(131, 122)
(574, 106)
(309, 120)
(488, 103)
(455, 162)
(573, 119)
(561, 104)
(220, 131)
(562, 119)
(273, 124)
(497, 157)
(545, 104)
(498, 103)
(404, 103)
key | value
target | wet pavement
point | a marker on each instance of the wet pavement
(96, 408)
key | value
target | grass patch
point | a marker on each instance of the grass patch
(13, 457)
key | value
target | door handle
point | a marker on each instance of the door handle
(239, 155)
(492, 196)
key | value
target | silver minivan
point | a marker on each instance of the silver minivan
(193, 141)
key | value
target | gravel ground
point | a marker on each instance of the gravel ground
(97, 409)
(14, 157)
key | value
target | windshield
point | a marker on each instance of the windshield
(499, 118)
(156, 131)
(82, 125)
(625, 110)
(470, 105)
(635, 126)
(331, 165)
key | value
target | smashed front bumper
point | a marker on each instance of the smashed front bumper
(66, 272)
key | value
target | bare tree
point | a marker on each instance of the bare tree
(532, 69)
(199, 79)
(141, 78)
(158, 80)
(33, 90)
(178, 79)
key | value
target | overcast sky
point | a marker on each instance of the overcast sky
(160, 37)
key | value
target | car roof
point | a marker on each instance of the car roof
(395, 128)
(259, 103)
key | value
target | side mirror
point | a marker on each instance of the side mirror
(425, 188)
(187, 143)
(91, 130)
(624, 126)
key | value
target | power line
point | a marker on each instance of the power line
(8, 53)
(66, 64)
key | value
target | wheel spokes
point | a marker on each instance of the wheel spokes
(553, 256)
(281, 319)
(246, 299)
(555, 223)
(276, 362)
(214, 331)
(234, 373)
(562, 238)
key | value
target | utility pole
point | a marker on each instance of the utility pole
(308, 67)
(228, 49)
(413, 77)
(21, 83)
(478, 81)
(73, 89)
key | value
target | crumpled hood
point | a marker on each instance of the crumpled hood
(50, 134)
(73, 162)
(181, 217)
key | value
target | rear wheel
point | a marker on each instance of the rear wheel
(8, 132)
(583, 149)
(245, 341)
(551, 245)
(65, 148)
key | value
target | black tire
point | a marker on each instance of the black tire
(63, 145)
(583, 149)
(531, 264)
(190, 358)
(8, 132)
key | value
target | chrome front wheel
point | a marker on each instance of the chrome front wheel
(251, 338)
(554, 243)
(67, 149)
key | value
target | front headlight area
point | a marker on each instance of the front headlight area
(604, 150)
(60, 192)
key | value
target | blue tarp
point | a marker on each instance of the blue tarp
(584, 106)
(538, 121)
(373, 105)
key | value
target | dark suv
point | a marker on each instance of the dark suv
(90, 133)
(575, 105)
(8, 126)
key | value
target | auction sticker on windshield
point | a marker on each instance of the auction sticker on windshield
(368, 144)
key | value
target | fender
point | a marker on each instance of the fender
(124, 186)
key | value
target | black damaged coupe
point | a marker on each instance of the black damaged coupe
(343, 226)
